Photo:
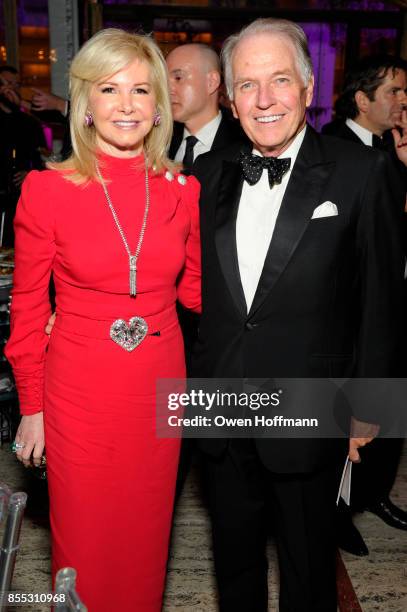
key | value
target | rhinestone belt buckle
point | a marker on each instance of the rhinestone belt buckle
(129, 335)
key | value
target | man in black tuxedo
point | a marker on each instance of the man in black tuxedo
(372, 104)
(199, 125)
(299, 243)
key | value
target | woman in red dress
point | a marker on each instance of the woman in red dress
(117, 227)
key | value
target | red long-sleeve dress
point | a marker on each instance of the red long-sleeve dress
(111, 480)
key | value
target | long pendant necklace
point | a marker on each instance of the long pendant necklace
(132, 258)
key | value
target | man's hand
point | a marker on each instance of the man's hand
(361, 434)
(354, 444)
(42, 101)
(400, 140)
(50, 324)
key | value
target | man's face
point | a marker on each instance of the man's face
(384, 112)
(10, 88)
(270, 98)
(11, 80)
(188, 84)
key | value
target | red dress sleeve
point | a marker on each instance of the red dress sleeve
(189, 283)
(30, 306)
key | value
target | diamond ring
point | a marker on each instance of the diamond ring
(16, 446)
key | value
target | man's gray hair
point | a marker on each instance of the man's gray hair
(280, 27)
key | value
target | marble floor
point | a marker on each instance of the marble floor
(379, 580)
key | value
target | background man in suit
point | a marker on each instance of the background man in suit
(200, 126)
(288, 295)
(372, 104)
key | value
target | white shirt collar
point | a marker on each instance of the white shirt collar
(207, 133)
(365, 135)
(292, 150)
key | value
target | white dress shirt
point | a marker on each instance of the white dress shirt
(206, 136)
(258, 210)
(365, 135)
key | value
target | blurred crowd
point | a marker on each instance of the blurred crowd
(26, 141)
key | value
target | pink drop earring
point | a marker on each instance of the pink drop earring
(156, 119)
(88, 119)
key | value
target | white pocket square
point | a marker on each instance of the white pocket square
(327, 209)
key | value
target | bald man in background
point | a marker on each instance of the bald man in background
(199, 125)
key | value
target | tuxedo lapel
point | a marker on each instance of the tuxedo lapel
(302, 195)
(230, 189)
(219, 139)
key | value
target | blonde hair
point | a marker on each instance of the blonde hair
(106, 53)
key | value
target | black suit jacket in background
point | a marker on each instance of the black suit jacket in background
(228, 133)
(328, 303)
(339, 129)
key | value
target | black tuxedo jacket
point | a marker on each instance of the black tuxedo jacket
(228, 133)
(328, 303)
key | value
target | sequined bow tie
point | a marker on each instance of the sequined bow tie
(253, 166)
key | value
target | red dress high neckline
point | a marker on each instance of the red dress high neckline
(120, 166)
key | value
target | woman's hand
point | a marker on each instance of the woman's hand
(50, 324)
(30, 432)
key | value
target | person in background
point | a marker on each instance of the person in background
(45, 101)
(370, 112)
(200, 125)
(47, 105)
(21, 145)
(118, 227)
(371, 104)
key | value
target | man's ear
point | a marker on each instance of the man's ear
(361, 101)
(213, 81)
(309, 92)
(234, 111)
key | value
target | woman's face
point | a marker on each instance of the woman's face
(123, 107)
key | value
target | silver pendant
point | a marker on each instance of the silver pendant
(130, 335)
(133, 272)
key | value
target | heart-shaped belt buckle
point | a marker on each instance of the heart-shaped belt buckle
(130, 335)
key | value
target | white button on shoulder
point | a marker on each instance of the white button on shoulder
(169, 176)
(182, 180)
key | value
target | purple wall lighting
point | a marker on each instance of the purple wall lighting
(378, 41)
(33, 13)
(323, 48)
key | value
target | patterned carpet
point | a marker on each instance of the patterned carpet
(379, 580)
